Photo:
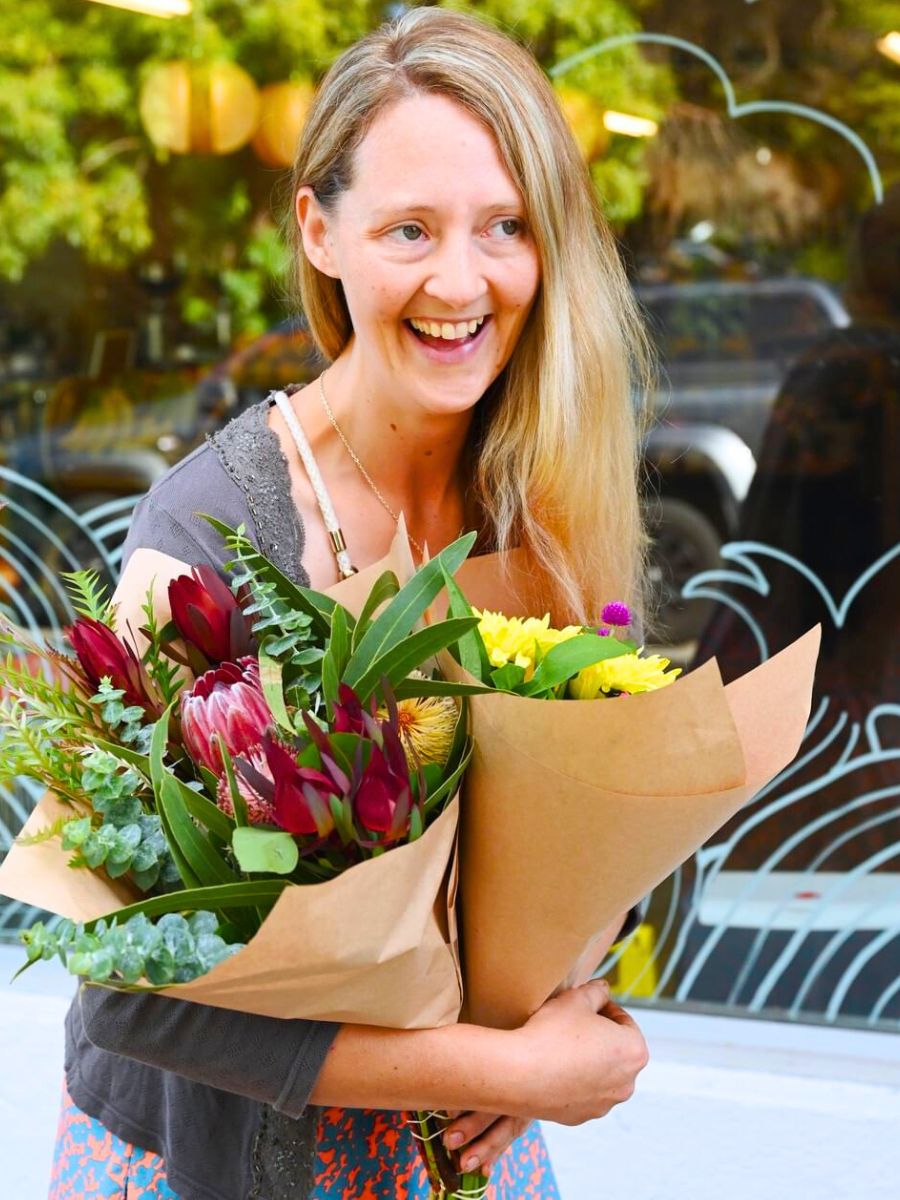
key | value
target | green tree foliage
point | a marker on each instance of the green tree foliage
(77, 167)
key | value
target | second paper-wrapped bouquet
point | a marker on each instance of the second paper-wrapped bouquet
(260, 811)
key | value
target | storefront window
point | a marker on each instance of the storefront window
(747, 154)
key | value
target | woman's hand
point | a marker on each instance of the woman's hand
(582, 1056)
(589, 1053)
(480, 1138)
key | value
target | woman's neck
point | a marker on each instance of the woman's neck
(414, 458)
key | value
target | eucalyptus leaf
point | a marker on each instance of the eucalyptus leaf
(270, 850)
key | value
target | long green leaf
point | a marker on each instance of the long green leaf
(401, 615)
(246, 894)
(439, 687)
(336, 655)
(568, 658)
(272, 683)
(239, 804)
(204, 863)
(472, 654)
(451, 783)
(414, 650)
(157, 752)
(317, 605)
(385, 587)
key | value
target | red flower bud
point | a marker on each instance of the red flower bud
(227, 702)
(207, 615)
(301, 793)
(102, 653)
(382, 788)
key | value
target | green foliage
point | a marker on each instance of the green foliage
(125, 721)
(162, 670)
(89, 596)
(266, 850)
(128, 838)
(175, 949)
(77, 167)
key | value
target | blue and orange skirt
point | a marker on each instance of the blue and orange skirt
(362, 1155)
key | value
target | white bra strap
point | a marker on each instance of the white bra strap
(335, 534)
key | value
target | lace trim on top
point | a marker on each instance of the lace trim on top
(283, 1152)
(251, 454)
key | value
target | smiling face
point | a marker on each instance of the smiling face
(431, 245)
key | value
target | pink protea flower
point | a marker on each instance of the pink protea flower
(260, 811)
(227, 702)
(616, 613)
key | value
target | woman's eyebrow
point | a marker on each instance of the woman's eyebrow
(385, 211)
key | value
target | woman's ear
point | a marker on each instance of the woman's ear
(317, 243)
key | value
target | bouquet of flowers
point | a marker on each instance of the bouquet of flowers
(261, 741)
(595, 803)
(261, 809)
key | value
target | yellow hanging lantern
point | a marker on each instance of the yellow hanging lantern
(585, 117)
(282, 113)
(199, 107)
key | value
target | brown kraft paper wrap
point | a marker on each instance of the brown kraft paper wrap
(377, 945)
(574, 810)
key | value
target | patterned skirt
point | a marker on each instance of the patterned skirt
(362, 1155)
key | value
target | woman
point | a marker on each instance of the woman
(481, 336)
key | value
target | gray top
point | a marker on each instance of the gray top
(221, 1096)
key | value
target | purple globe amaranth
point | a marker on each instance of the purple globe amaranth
(616, 613)
(102, 654)
(207, 616)
(226, 702)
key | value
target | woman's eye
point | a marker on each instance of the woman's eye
(508, 227)
(407, 233)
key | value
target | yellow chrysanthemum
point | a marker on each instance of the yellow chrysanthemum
(517, 640)
(427, 725)
(629, 673)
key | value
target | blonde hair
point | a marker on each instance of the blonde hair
(555, 455)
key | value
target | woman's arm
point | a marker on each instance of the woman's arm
(575, 1059)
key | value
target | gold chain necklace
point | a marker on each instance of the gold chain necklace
(362, 470)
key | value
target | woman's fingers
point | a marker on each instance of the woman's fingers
(466, 1127)
(485, 1138)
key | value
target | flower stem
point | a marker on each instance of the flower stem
(446, 1181)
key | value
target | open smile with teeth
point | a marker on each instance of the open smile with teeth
(448, 331)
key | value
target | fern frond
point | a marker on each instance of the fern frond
(46, 834)
(163, 670)
(89, 596)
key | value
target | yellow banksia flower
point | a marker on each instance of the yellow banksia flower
(517, 640)
(426, 725)
(629, 673)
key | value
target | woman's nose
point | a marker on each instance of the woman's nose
(456, 278)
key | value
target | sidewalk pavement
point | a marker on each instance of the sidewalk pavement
(728, 1109)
